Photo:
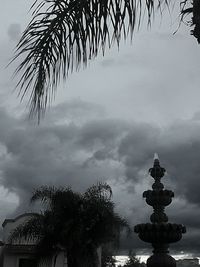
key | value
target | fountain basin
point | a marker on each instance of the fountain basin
(157, 233)
(160, 197)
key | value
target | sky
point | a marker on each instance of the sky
(106, 123)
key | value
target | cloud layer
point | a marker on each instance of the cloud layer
(78, 150)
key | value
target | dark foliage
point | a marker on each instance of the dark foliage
(192, 7)
(133, 261)
(75, 223)
(107, 259)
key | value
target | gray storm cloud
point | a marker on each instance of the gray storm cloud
(78, 150)
(14, 31)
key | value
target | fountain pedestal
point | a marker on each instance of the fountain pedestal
(159, 232)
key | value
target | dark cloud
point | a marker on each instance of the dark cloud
(77, 150)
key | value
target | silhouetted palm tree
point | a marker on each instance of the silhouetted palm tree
(75, 223)
(64, 34)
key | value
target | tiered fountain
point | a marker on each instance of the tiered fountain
(159, 232)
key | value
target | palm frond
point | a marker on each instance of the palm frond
(57, 200)
(44, 194)
(31, 230)
(101, 191)
(65, 34)
(192, 8)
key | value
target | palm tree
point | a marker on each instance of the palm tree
(65, 34)
(75, 223)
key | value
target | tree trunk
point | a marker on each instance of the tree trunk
(71, 261)
(99, 252)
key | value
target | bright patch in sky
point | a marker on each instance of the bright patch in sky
(143, 258)
(7, 196)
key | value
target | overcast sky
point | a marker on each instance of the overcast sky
(106, 123)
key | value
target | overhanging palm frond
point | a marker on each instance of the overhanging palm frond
(64, 34)
(192, 8)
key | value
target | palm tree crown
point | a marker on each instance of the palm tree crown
(75, 223)
(64, 34)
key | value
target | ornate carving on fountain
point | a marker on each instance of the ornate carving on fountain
(159, 232)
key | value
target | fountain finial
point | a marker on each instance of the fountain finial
(157, 172)
(155, 156)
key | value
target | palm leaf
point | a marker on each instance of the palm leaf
(52, 196)
(65, 34)
(31, 230)
(192, 8)
(39, 230)
(44, 194)
(98, 191)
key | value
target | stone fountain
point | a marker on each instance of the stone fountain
(159, 232)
